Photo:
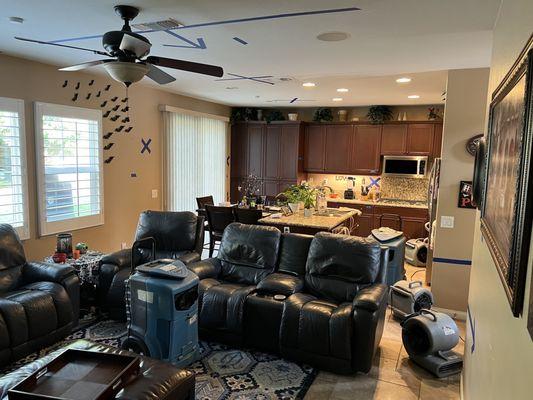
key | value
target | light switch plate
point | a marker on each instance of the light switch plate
(155, 193)
(447, 221)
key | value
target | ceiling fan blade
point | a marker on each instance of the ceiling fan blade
(159, 75)
(190, 66)
(134, 45)
(103, 53)
(78, 67)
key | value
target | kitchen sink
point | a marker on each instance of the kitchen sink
(332, 212)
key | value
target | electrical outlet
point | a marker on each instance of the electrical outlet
(155, 193)
(123, 245)
(447, 221)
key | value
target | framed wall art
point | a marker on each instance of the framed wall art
(507, 206)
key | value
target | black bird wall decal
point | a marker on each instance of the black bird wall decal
(125, 99)
(98, 94)
(119, 128)
(91, 82)
(116, 108)
(108, 135)
(128, 129)
(103, 104)
(109, 159)
(106, 114)
(127, 119)
(65, 84)
(75, 97)
(125, 109)
(88, 96)
(107, 88)
(77, 86)
(108, 146)
(114, 99)
(114, 118)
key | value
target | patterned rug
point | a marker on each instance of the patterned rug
(222, 373)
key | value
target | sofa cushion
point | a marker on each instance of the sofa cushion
(293, 253)
(248, 253)
(338, 266)
(12, 258)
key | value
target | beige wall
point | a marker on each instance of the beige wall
(466, 95)
(502, 363)
(125, 197)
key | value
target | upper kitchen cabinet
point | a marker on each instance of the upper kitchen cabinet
(239, 150)
(338, 148)
(366, 147)
(414, 139)
(420, 139)
(271, 152)
(255, 149)
(283, 150)
(437, 141)
(315, 142)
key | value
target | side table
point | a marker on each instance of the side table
(87, 269)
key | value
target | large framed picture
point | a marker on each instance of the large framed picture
(507, 206)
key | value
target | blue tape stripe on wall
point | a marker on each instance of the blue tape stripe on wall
(241, 41)
(452, 261)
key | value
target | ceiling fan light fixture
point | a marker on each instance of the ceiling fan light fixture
(126, 72)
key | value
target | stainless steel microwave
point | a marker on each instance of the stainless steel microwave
(406, 166)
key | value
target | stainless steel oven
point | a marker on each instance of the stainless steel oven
(406, 166)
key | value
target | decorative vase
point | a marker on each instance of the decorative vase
(295, 207)
(342, 115)
(308, 212)
(293, 116)
(64, 244)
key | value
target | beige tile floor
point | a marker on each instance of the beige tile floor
(393, 376)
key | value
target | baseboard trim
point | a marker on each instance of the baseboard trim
(460, 315)
(461, 389)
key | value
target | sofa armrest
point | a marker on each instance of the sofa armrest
(372, 297)
(121, 258)
(280, 283)
(47, 272)
(209, 268)
(189, 258)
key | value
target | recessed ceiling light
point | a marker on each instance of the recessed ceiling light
(403, 80)
(337, 99)
(342, 90)
(309, 84)
(333, 36)
(16, 20)
(413, 96)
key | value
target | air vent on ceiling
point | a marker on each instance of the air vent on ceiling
(158, 25)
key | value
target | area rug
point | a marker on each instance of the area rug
(222, 373)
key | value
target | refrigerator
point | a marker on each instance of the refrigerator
(433, 193)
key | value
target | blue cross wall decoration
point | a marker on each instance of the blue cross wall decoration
(374, 182)
(146, 146)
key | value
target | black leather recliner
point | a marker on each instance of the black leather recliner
(178, 235)
(39, 302)
(247, 254)
(323, 302)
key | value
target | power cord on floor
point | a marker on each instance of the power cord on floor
(416, 272)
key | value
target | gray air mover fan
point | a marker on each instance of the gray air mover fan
(429, 338)
(407, 298)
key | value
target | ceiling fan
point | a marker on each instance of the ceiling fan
(127, 49)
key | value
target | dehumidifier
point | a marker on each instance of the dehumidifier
(429, 338)
(162, 306)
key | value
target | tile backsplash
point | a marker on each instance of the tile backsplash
(391, 187)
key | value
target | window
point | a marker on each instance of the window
(195, 158)
(13, 181)
(69, 167)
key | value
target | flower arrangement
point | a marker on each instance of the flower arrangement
(379, 114)
(433, 113)
(302, 193)
(251, 186)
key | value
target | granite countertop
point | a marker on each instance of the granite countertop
(382, 202)
(323, 222)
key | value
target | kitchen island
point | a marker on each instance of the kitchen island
(326, 221)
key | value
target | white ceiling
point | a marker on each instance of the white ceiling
(421, 39)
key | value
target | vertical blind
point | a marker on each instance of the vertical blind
(13, 183)
(194, 160)
(70, 173)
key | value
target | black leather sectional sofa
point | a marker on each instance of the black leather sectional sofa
(319, 300)
(39, 302)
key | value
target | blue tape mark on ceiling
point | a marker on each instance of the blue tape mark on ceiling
(241, 41)
(251, 78)
(199, 45)
(231, 21)
(293, 100)
(452, 261)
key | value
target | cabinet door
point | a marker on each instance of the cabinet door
(437, 141)
(394, 140)
(288, 151)
(364, 225)
(414, 228)
(314, 148)
(239, 150)
(272, 152)
(255, 150)
(366, 150)
(420, 139)
(338, 148)
(271, 188)
(235, 195)
(388, 220)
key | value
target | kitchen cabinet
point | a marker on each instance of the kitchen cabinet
(409, 220)
(394, 140)
(315, 141)
(338, 148)
(272, 152)
(437, 141)
(420, 139)
(366, 150)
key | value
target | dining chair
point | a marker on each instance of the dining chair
(248, 215)
(218, 219)
(201, 202)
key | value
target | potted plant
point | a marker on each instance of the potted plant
(379, 114)
(274, 115)
(296, 195)
(323, 115)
